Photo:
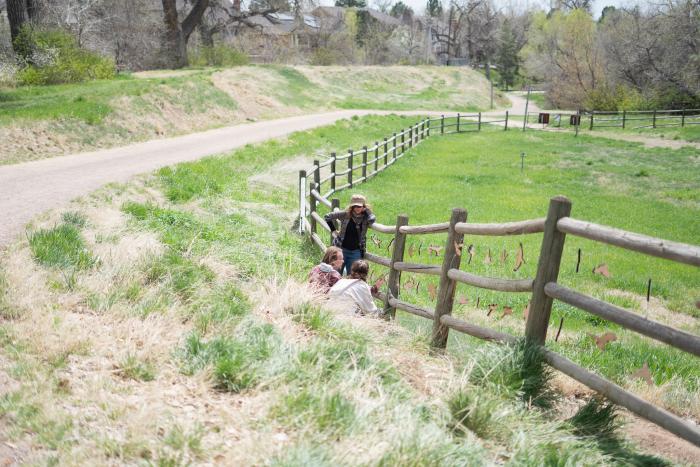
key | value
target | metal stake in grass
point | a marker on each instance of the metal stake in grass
(522, 162)
(578, 260)
(561, 323)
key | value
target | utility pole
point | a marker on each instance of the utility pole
(527, 104)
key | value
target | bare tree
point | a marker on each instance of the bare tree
(177, 33)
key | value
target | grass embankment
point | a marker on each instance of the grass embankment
(39, 122)
(184, 342)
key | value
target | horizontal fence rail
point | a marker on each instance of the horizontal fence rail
(543, 287)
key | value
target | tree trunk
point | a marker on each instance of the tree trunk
(32, 9)
(176, 34)
(206, 34)
(174, 47)
(17, 17)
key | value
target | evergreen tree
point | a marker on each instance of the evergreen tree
(507, 55)
(351, 3)
(433, 8)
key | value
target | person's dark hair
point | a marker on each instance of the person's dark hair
(359, 270)
(332, 254)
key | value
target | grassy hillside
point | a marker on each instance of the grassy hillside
(164, 322)
(39, 122)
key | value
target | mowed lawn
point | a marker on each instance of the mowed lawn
(650, 191)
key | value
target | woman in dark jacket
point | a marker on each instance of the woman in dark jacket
(352, 236)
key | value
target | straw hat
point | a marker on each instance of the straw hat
(357, 200)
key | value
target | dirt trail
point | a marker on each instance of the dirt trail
(31, 188)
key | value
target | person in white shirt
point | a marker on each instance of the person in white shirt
(355, 289)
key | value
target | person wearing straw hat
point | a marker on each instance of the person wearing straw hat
(352, 236)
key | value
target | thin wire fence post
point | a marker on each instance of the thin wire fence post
(350, 166)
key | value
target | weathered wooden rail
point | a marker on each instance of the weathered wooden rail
(543, 288)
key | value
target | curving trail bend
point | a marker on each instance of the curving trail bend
(31, 188)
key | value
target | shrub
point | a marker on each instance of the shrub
(54, 57)
(60, 247)
(218, 55)
(325, 56)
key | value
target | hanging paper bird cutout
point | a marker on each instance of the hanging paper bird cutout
(644, 373)
(432, 290)
(519, 258)
(507, 311)
(603, 340)
(434, 249)
(504, 256)
(488, 259)
(458, 248)
(602, 269)
(492, 308)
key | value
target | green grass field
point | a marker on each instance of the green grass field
(649, 191)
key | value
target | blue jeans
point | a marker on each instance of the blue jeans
(349, 257)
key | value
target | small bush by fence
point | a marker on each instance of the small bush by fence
(543, 288)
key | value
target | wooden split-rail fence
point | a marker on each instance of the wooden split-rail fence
(544, 288)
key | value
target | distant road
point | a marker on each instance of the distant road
(31, 188)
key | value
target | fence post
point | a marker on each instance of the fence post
(682, 118)
(394, 281)
(350, 167)
(376, 156)
(447, 287)
(547, 270)
(364, 163)
(591, 126)
(479, 127)
(335, 206)
(442, 124)
(394, 151)
(653, 119)
(312, 206)
(624, 118)
(505, 127)
(302, 200)
(317, 175)
(410, 137)
(403, 141)
(427, 130)
(333, 172)
(458, 116)
(386, 152)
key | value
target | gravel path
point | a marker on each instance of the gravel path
(31, 188)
